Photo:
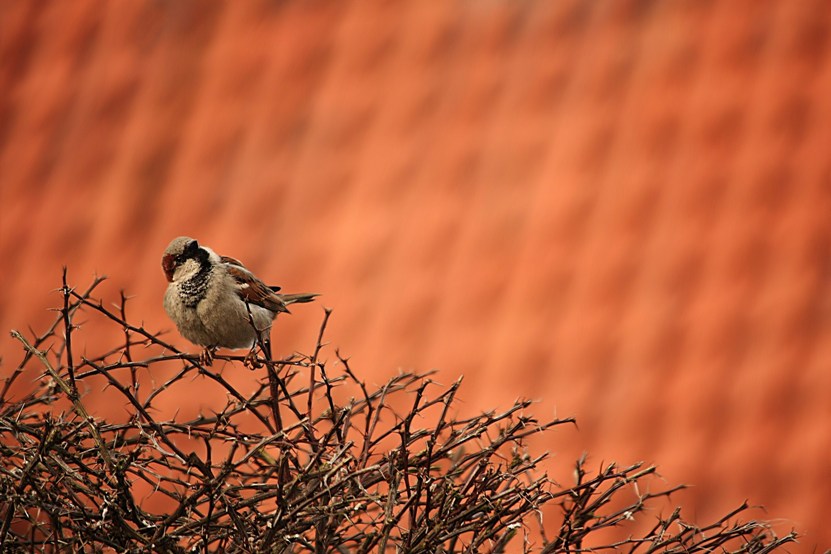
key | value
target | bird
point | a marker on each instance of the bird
(216, 302)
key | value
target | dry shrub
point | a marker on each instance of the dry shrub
(312, 460)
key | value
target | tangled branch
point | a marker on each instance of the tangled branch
(312, 459)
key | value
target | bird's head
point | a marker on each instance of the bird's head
(182, 257)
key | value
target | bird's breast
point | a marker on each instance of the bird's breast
(194, 290)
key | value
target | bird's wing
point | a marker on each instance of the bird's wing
(251, 289)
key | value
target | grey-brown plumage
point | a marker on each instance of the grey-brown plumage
(214, 300)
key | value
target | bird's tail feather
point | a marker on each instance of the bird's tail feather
(300, 298)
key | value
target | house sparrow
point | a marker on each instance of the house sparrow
(216, 302)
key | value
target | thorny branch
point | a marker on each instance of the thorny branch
(311, 460)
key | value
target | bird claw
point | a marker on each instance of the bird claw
(251, 361)
(206, 357)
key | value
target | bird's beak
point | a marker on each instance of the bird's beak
(169, 266)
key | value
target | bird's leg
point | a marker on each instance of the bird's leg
(251, 361)
(264, 342)
(207, 356)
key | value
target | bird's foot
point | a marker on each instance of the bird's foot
(207, 356)
(251, 361)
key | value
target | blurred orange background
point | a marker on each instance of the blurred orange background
(618, 208)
